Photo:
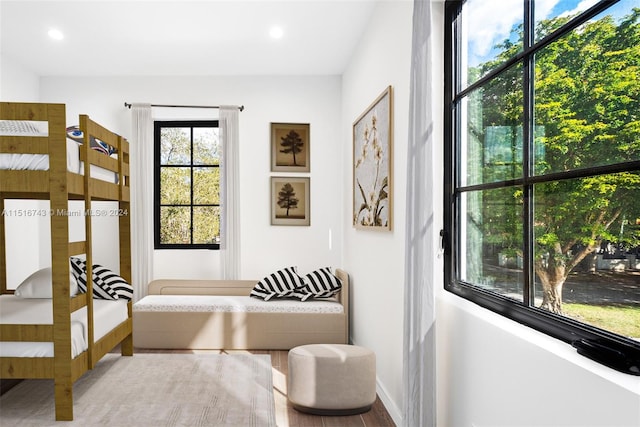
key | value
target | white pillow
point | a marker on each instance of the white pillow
(38, 285)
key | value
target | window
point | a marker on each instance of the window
(542, 168)
(187, 190)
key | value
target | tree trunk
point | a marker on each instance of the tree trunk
(552, 296)
(552, 273)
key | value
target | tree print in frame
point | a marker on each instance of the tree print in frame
(290, 147)
(372, 164)
(290, 201)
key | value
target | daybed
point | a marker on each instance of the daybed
(62, 336)
(219, 314)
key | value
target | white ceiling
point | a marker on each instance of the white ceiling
(160, 37)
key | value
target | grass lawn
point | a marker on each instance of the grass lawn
(623, 320)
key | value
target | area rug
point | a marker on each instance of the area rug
(155, 390)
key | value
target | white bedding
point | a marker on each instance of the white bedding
(13, 310)
(241, 304)
(41, 162)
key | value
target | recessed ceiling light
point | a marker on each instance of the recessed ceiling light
(276, 32)
(55, 34)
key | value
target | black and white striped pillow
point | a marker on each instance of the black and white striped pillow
(320, 283)
(281, 284)
(106, 283)
(105, 278)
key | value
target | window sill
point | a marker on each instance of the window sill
(549, 344)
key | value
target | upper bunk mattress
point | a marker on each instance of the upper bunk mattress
(107, 315)
(233, 304)
(41, 161)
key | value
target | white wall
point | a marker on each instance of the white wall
(375, 260)
(496, 372)
(264, 248)
(27, 255)
(17, 82)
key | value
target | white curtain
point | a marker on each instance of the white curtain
(229, 193)
(141, 199)
(422, 237)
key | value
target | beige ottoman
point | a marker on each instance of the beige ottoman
(331, 379)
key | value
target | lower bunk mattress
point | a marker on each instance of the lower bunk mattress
(39, 311)
(235, 322)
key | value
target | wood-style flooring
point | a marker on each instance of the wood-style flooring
(286, 416)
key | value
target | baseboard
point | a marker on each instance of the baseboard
(394, 412)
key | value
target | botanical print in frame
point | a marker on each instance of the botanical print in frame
(290, 200)
(372, 164)
(290, 147)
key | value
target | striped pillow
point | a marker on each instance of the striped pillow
(319, 284)
(281, 284)
(106, 283)
(105, 278)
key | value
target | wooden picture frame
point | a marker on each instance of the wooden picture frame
(290, 200)
(372, 165)
(290, 149)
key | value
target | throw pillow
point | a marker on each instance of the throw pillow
(281, 284)
(39, 285)
(74, 132)
(320, 283)
(101, 290)
(105, 278)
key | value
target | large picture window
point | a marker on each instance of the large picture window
(543, 168)
(187, 190)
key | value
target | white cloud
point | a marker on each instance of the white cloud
(487, 26)
(583, 5)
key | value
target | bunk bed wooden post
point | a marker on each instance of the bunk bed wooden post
(85, 151)
(59, 207)
(124, 211)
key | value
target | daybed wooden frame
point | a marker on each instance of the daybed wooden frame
(59, 186)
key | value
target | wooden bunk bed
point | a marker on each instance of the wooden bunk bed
(59, 186)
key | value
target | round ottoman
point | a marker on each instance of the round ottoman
(331, 379)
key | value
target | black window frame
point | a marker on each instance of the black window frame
(612, 350)
(157, 126)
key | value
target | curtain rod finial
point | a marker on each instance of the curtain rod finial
(241, 108)
(127, 105)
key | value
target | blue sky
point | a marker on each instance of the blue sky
(487, 27)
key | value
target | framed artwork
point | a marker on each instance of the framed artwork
(290, 147)
(372, 163)
(290, 200)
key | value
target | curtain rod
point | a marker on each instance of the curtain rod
(127, 105)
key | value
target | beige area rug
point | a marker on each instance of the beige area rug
(155, 390)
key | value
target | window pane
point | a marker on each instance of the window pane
(206, 186)
(587, 235)
(175, 225)
(206, 146)
(491, 142)
(206, 224)
(551, 15)
(491, 240)
(587, 95)
(175, 146)
(489, 36)
(175, 186)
